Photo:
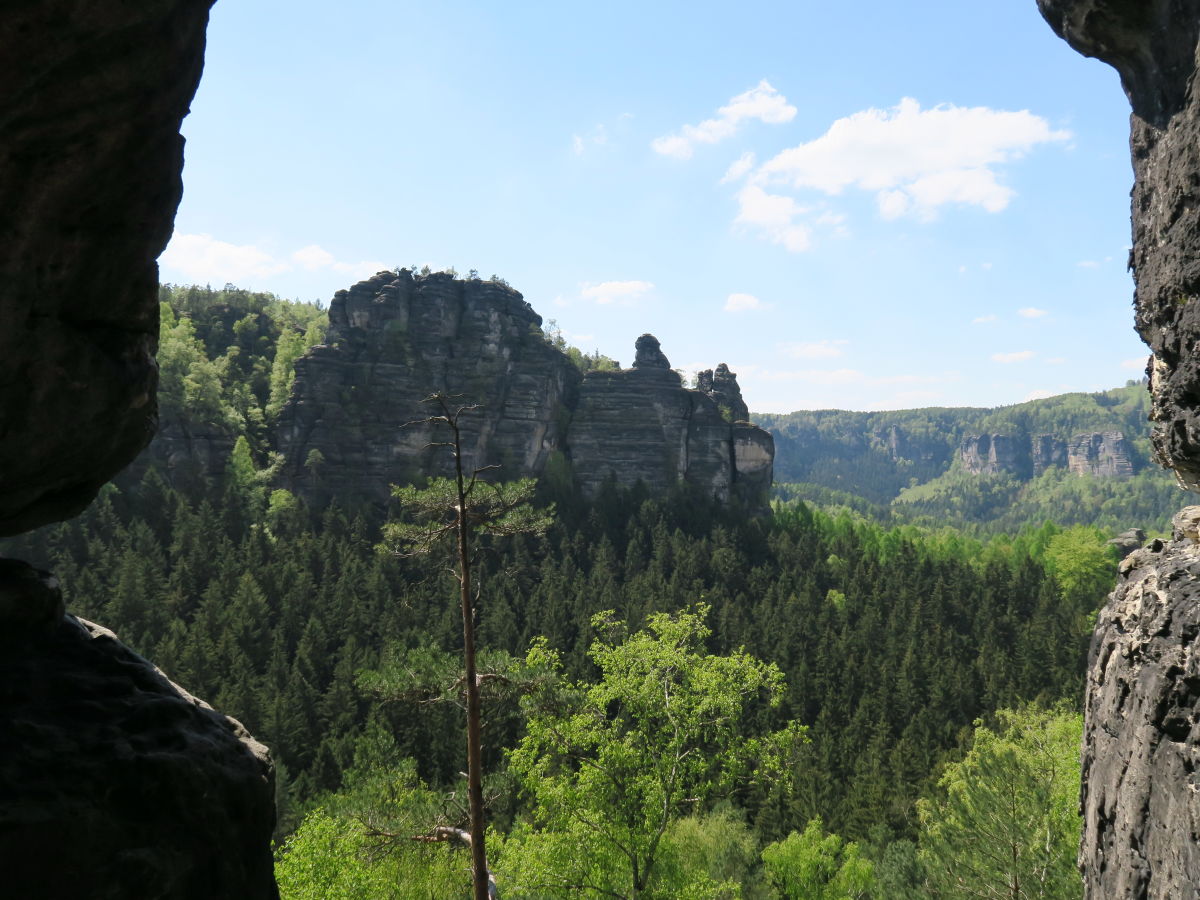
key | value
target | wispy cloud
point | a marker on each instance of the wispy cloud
(739, 167)
(985, 320)
(620, 292)
(1018, 356)
(825, 349)
(762, 103)
(1039, 394)
(742, 303)
(1031, 312)
(773, 216)
(581, 143)
(203, 258)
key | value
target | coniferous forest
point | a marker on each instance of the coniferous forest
(680, 699)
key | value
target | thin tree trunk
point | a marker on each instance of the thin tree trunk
(479, 866)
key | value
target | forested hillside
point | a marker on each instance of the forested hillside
(885, 657)
(908, 465)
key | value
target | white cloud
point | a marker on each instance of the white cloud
(739, 168)
(825, 349)
(773, 215)
(915, 161)
(742, 303)
(1055, 361)
(985, 320)
(987, 267)
(203, 258)
(1018, 356)
(1039, 394)
(1138, 364)
(313, 257)
(623, 292)
(761, 102)
(1031, 312)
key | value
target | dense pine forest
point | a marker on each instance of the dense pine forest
(850, 696)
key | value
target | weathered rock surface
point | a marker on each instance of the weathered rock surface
(994, 454)
(1153, 44)
(1128, 541)
(90, 157)
(394, 340)
(1141, 743)
(114, 782)
(397, 338)
(1142, 734)
(1046, 452)
(640, 424)
(1102, 454)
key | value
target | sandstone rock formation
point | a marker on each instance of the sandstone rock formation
(1141, 757)
(640, 424)
(114, 782)
(90, 157)
(1141, 791)
(1152, 44)
(1046, 452)
(396, 338)
(1101, 454)
(993, 454)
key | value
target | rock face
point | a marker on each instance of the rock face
(640, 424)
(992, 454)
(1047, 451)
(1152, 44)
(1141, 791)
(397, 338)
(114, 782)
(1103, 454)
(90, 156)
(1141, 757)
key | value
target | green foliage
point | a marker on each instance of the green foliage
(901, 465)
(608, 766)
(1005, 820)
(814, 865)
(584, 362)
(227, 357)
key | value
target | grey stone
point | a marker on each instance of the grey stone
(397, 338)
(90, 159)
(115, 784)
(1141, 791)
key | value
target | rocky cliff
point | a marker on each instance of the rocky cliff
(355, 422)
(114, 783)
(1141, 743)
(1100, 454)
(640, 424)
(90, 156)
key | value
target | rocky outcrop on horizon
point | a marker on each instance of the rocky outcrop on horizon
(1100, 454)
(355, 422)
(1141, 740)
(640, 424)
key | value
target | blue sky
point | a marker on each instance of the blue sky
(866, 206)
